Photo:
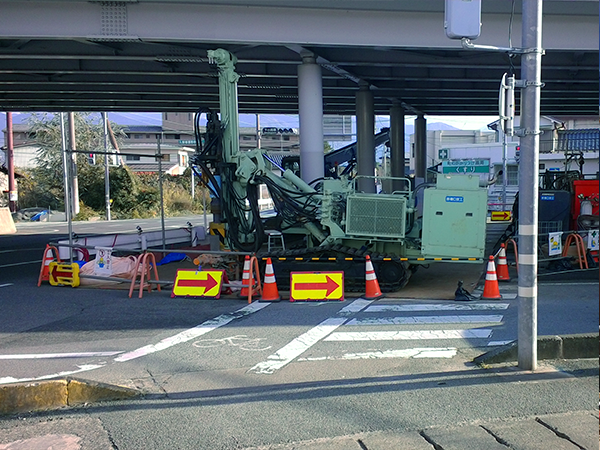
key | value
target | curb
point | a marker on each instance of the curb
(54, 394)
(569, 346)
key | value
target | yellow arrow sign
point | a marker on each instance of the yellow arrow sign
(501, 216)
(316, 286)
(63, 274)
(198, 283)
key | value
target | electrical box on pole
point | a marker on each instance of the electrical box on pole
(506, 104)
(463, 19)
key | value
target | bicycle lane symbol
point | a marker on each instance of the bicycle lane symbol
(242, 342)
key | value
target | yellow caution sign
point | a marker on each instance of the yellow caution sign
(316, 286)
(60, 274)
(501, 216)
(198, 283)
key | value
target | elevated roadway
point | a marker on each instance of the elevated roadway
(150, 55)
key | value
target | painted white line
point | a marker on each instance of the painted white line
(296, 347)
(21, 263)
(446, 352)
(192, 333)
(6, 285)
(410, 320)
(494, 343)
(58, 355)
(510, 296)
(439, 307)
(355, 306)
(409, 335)
(84, 368)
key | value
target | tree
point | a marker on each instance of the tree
(133, 195)
(47, 176)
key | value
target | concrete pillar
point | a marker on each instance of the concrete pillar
(421, 147)
(365, 139)
(310, 105)
(397, 124)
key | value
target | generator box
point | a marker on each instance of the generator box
(454, 218)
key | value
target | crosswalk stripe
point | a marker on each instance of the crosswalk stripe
(297, 346)
(410, 320)
(438, 307)
(446, 352)
(479, 333)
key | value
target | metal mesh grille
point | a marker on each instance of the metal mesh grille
(376, 216)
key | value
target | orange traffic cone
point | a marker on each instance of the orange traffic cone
(372, 291)
(503, 274)
(490, 289)
(247, 283)
(270, 293)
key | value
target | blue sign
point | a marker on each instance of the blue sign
(454, 199)
(549, 197)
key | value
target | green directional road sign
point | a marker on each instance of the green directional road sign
(466, 166)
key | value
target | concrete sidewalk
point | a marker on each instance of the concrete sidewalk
(556, 431)
(567, 431)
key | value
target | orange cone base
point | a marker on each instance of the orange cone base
(266, 300)
(245, 295)
(491, 296)
(373, 296)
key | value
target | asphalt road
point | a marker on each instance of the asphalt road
(221, 374)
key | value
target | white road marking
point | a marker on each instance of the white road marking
(84, 368)
(299, 345)
(58, 355)
(296, 347)
(192, 333)
(241, 341)
(355, 306)
(494, 343)
(446, 352)
(438, 307)
(510, 296)
(21, 263)
(6, 285)
(410, 320)
(409, 335)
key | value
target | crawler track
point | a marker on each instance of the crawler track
(392, 273)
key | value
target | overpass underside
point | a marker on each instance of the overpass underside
(150, 55)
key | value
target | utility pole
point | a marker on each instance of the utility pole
(67, 183)
(531, 71)
(10, 159)
(106, 167)
(160, 186)
(75, 183)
